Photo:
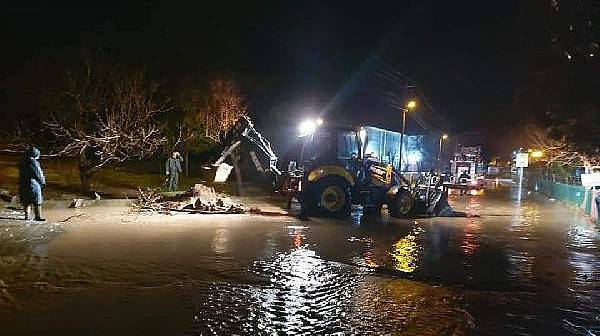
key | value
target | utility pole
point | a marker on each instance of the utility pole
(439, 157)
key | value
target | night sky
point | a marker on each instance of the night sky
(349, 61)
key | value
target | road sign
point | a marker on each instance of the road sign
(522, 160)
(590, 180)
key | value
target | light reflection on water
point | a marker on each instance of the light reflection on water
(405, 254)
(584, 242)
(303, 294)
(304, 291)
(222, 241)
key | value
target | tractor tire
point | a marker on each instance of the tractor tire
(330, 197)
(401, 205)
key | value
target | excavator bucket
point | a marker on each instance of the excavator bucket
(223, 172)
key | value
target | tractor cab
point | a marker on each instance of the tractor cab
(332, 150)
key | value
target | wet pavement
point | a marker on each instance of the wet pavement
(522, 268)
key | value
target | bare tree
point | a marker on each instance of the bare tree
(209, 113)
(106, 114)
(558, 151)
(13, 141)
(212, 112)
(224, 107)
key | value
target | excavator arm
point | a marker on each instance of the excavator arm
(245, 129)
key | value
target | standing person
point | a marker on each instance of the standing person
(463, 179)
(31, 181)
(173, 169)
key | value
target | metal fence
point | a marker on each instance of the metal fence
(573, 195)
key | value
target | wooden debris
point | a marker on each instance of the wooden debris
(199, 199)
(76, 203)
(5, 195)
(258, 211)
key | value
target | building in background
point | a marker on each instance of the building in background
(468, 159)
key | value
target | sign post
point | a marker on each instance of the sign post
(521, 161)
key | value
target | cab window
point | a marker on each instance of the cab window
(347, 145)
(318, 146)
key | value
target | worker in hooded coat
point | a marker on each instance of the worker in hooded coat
(31, 181)
(173, 169)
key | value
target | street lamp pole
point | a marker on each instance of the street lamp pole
(439, 157)
(409, 106)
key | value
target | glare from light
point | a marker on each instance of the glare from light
(319, 121)
(474, 182)
(444, 136)
(414, 157)
(411, 104)
(307, 127)
(363, 135)
(475, 192)
(537, 154)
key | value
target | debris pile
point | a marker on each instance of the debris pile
(7, 197)
(199, 199)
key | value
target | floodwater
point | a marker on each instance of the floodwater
(522, 268)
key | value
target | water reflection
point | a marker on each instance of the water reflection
(394, 253)
(304, 291)
(222, 241)
(471, 234)
(365, 257)
(405, 254)
(584, 241)
(297, 232)
(524, 221)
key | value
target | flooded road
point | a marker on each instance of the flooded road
(528, 268)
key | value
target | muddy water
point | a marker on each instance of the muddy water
(524, 268)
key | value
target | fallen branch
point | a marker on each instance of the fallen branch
(71, 217)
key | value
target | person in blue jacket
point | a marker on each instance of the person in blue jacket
(31, 181)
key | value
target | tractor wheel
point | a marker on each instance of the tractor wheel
(402, 204)
(331, 198)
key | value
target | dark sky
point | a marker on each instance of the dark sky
(347, 60)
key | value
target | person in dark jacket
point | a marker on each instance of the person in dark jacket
(173, 169)
(31, 181)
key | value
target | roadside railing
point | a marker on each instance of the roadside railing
(573, 195)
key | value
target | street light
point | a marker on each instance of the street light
(411, 105)
(443, 137)
(307, 127)
(537, 154)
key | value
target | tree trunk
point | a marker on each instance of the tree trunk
(85, 171)
(186, 150)
(235, 157)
